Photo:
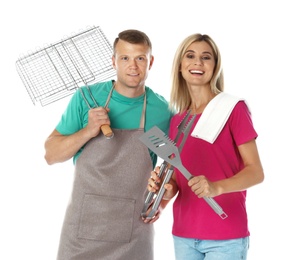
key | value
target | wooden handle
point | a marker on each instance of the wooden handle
(106, 130)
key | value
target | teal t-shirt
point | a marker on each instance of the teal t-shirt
(125, 113)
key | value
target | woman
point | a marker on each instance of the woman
(220, 153)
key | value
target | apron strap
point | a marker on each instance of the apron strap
(142, 120)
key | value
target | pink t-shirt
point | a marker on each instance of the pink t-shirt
(193, 217)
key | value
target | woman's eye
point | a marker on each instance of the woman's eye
(206, 58)
(190, 56)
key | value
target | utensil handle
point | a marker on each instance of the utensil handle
(162, 189)
(150, 196)
(106, 130)
(216, 207)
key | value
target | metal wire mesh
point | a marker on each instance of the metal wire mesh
(58, 70)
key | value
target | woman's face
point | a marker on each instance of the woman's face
(198, 63)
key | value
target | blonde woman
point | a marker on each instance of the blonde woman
(220, 152)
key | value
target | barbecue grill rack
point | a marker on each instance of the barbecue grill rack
(58, 70)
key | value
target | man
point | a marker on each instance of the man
(103, 217)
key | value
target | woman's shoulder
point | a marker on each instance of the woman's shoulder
(178, 117)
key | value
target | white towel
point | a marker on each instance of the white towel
(215, 116)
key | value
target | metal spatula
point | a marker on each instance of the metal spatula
(166, 172)
(164, 147)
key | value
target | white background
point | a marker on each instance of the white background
(251, 37)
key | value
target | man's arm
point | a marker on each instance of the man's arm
(60, 148)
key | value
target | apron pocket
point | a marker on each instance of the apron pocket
(107, 219)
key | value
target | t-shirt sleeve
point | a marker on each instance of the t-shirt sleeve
(71, 120)
(241, 124)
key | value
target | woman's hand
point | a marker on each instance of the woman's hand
(202, 187)
(154, 186)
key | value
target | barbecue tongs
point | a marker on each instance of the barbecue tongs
(166, 170)
(159, 143)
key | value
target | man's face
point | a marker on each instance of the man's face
(132, 63)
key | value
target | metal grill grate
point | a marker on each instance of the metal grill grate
(58, 70)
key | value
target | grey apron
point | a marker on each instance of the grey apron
(103, 217)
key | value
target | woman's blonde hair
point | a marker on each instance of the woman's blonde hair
(180, 98)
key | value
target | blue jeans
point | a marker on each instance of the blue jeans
(196, 249)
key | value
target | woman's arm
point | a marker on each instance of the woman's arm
(249, 176)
